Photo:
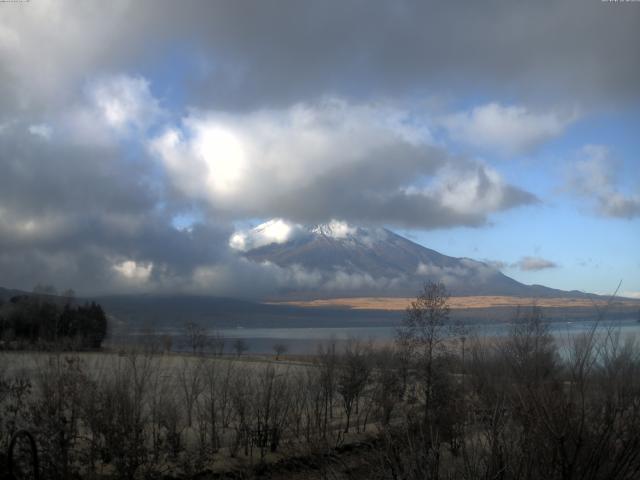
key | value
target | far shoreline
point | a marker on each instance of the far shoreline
(458, 303)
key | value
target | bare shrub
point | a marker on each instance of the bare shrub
(271, 402)
(121, 419)
(172, 426)
(15, 390)
(57, 413)
(352, 377)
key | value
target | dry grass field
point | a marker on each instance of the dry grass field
(396, 304)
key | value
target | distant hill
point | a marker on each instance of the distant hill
(6, 293)
(385, 263)
(172, 312)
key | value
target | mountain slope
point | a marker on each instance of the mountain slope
(6, 293)
(384, 262)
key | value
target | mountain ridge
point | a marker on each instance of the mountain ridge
(383, 261)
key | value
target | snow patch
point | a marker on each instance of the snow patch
(335, 229)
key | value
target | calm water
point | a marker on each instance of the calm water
(307, 340)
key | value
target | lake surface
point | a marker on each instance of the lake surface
(307, 340)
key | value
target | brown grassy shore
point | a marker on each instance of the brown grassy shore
(469, 302)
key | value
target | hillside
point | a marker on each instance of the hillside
(375, 261)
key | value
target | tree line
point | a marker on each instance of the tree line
(41, 320)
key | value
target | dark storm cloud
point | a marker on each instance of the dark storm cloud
(251, 54)
(280, 52)
(324, 201)
(41, 176)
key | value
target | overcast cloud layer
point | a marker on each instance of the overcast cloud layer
(120, 120)
(248, 53)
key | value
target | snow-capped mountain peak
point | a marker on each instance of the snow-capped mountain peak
(341, 253)
(334, 229)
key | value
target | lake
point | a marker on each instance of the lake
(306, 340)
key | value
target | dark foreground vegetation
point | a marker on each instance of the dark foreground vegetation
(439, 404)
(39, 321)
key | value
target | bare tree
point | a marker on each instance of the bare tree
(242, 397)
(191, 384)
(167, 343)
(388, 383)
(196, 336)
(272, 400)
(530, 349)
(240, 346)
(217, 343)
(328, 366)
(353, 375)
(422, 334)
(216, 400)
(279, 349)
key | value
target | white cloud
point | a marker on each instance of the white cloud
(595, 178)
(20, 228)
(273, 231)
(111, 108)
(478, 191)
(329, 159)
(534, 264)
(79, 40)
(268, 279)
(342, 281)
(124, 102)
(134, 271)
(440, 271)
(9, 39)
(507, 129)
(245, 159)
(223, 154)
(41, 130)
(453, 274)
(473, 190)
(498, 265)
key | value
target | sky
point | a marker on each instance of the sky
(137, 137)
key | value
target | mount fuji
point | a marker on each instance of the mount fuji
(355, 261)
